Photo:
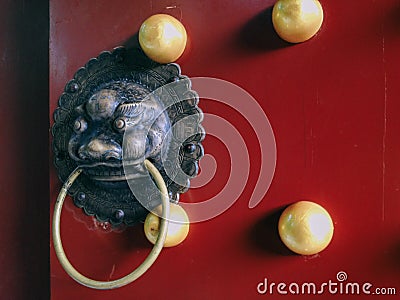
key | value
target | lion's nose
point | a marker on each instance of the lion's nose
(98, 149)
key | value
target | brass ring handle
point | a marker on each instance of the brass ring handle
(142, 268)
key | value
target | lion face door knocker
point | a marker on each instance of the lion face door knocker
(126, 138)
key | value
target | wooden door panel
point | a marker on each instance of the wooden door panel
(332, 104)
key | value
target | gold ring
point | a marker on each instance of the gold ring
(143, 267)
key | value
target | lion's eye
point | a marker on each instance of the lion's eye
(119, 124)
(80, 125)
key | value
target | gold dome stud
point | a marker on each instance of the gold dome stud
(296, 21)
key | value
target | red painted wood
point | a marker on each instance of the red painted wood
(332, 103)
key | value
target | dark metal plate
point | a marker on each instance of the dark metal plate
(119, 109)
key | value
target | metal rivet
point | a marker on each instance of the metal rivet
(174, 79)
(119, 214)
(190, 148)
(81, 196)
(73, 87)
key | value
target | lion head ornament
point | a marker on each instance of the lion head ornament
(116, 112)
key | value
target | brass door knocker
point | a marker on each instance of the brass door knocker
(126, 139)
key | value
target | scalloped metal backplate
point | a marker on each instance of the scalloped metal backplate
(112, 202)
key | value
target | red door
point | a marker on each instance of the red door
(332, 103)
